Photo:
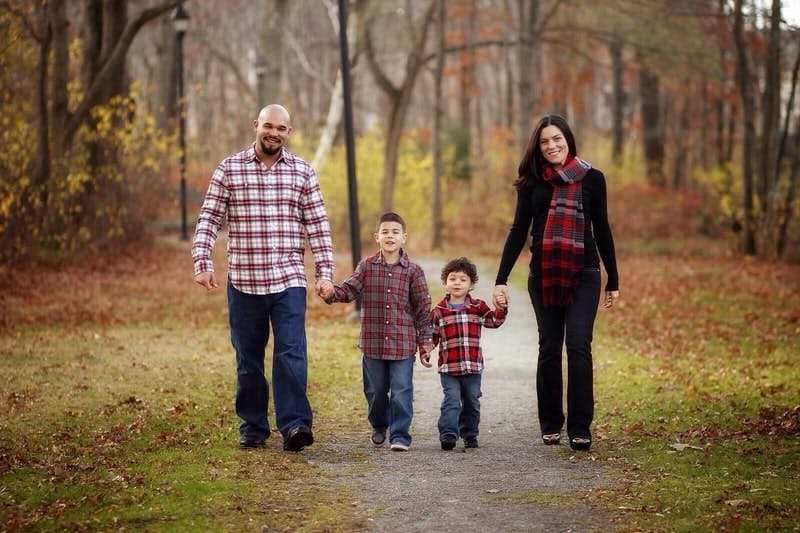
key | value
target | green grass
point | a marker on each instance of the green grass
(131, 427)
(116, 407)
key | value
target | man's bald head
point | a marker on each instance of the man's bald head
(277, 111)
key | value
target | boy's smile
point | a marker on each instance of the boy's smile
(390, 238)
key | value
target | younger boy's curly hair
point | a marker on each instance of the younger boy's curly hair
(460, 264)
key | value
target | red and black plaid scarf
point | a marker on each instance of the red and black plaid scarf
(562, 247)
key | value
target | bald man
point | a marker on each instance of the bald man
(273, 204)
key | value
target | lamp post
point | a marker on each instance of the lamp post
(180, 22)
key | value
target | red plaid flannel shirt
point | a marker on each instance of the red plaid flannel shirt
(458, 334)
(395, 306)
(270, 212)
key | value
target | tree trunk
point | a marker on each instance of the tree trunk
(399, 97)
(436, 147)
(42, 169)
(617, 101)
(109, 67)
(745, 85)
(167, 75)
(60, 80)
(653, 130)
(769, 194)
(528, 66)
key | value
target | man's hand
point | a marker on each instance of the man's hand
(425, 355)
(207, 280)
(324, 288)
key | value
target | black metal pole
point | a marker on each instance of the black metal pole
(352, 190)
(182, 137)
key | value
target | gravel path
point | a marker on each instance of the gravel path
(512, 482)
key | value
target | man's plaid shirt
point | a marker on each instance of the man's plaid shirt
(270, 212)
(395, 306)
(458, 334)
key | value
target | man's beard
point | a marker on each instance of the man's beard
(270, 150)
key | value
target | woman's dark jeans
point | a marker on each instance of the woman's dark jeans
(573, 323)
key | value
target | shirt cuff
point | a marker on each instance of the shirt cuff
(203, 265)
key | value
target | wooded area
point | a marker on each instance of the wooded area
(696, 96)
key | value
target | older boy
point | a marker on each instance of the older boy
(395, 323)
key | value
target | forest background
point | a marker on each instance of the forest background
(689, 107)
(696, 98)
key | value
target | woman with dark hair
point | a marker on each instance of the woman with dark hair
(561, 204)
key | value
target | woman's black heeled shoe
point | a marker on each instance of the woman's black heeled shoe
(551, 439)
(580, 443)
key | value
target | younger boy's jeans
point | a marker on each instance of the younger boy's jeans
(461, 405)
(389, 389)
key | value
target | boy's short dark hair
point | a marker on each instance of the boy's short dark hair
(460, 264)
(391, 216)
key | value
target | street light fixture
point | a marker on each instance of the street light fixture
(180, 22)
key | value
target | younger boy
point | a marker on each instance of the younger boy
(457, 322)
(395, 322)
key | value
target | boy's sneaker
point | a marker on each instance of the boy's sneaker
(378, 437)
(399, 447)
(470, 442)
(448, 442)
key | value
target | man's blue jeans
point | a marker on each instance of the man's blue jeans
(389, 389)
(572, 325)
(461, 406)
(250, 319)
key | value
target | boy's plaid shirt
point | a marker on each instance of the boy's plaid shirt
(458, 334)
(270, 212)
(395, 306)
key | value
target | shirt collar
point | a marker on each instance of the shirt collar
(403, 261)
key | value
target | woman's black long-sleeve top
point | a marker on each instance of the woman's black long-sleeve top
(530, 215)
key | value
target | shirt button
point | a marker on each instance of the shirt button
(388, 290)
(387, 307)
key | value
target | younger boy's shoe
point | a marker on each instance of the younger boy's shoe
(399, 447)
(470, 442)
(378, 437)
(448, 442)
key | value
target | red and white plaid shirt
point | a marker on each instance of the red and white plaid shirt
(458, 334)
(270, 213)
(395, 306)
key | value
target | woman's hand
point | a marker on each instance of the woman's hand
(500, 296)
(611, 298)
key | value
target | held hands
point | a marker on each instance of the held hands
(207, 280)
(611, 298)
(324, 288)
(425, 354)
(500, 296)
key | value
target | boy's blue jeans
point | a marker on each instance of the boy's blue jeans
(250, 317)
(461, 405)
(389, 389)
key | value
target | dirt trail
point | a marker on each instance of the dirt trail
(512, 482)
